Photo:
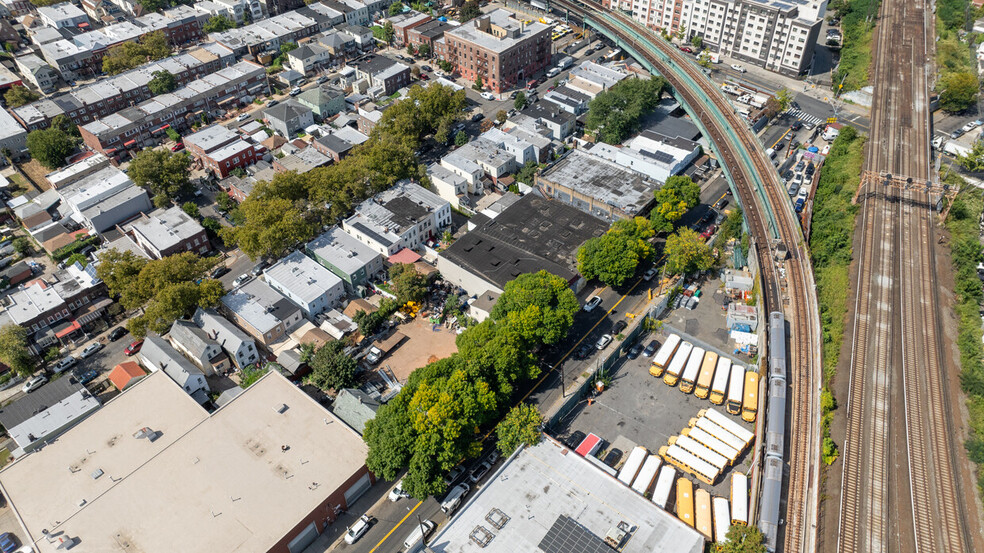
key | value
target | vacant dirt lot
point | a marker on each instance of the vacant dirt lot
(422, 346)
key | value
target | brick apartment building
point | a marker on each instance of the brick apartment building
(497, 47)
(221, 150)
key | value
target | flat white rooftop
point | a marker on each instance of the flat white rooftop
(538, 486)
(213, 484)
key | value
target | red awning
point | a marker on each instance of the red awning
(165, 127)
(68, 330)
(130, 143)
(111, 151)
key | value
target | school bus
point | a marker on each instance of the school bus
(689, 463)
(663, 356)
(672, 375)
(702, 513)
(716, 445)
(739, 499)
(749, 406)
(689, 378)
(722, 519)
(685, 501)
(720, 385)
(735, 390)
(706, 375)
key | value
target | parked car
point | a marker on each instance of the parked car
(426, 68)
(134, 347)
(477, 117)
(479, 472)
(652, 272)
(117, 333)
(358, 529)
(63, 365)
(603, 342)
(635, 351)
(957, 133)
(800, 202)
(219, 272)
(424, 77)
(241, 279)
(575, 439)
(85, 376)
(177, 147)
(453, 500)
(455, 474)
(323, 79)
(91, 350)
(650, 349)
(488, 95)
(582, 351)
(613, 456)
(397, 492)
(295, 91)
(258, 269)
(721, 204)
(8, 542)
(272, 103)
(595, 301)
(826, 150)
(244, 116)
(416, 536)
(687, 49)
(970, 126)
(619, 327)
(34, 384)
(737, 68)
(797, 125)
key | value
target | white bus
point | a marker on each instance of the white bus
(663, 356)
(722, 519)
(644, 480)
(736, 390)
(716, 445)
(706, 425)
(702, 451)
(731, 426)
(702, 513)
(720, 385)
(664, 485)
(689, 463)
(632, 465)
(739, 499)
(672, 375)
(692, 370)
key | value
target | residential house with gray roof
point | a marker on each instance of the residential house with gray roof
(195, 344)
(158, 355)
(240, 347)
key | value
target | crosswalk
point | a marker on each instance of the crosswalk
(806, 117)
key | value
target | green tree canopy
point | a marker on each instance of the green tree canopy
(17, 96)
(162, 81)
(13, 349)
(217, 24)
(614, 114)
(272, 227)
(784, 98)
(422, 112)
(678, 195)
(165, 173)
(396, 8)
(613, 257)
(435, 421)
(461, 138)
(521, 426)
(424, 49)
(408, 283)
(191, 208)
(166, 288)
(959, 91)
(687, 252)
(388, 32)
(469, 10)
(123, 57)
(50, 147)
(331, 368)
(65, 125)
(520, 101)
(742, 539)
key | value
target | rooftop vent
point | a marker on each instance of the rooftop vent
(96, 474)
(282, 408)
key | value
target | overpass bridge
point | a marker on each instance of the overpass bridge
(787, 481)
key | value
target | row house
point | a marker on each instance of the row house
(221, 150)
(82, 55)
(107, 96)
(165, 232)
(142, 125)
(267, 35)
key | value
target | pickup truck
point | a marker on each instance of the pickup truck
(378, 350)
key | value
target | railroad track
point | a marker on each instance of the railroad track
(898, 341)
(755, 179)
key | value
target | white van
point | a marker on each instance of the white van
(771, 153)
(553, 72)
(454, 498)
(415, 540)
(830, 133)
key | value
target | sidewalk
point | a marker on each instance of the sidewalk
(370, 503)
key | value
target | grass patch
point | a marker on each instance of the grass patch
(830, 247)
(4, 457)
(965, 251)
(857, 24)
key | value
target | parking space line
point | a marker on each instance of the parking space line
(398, 524)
